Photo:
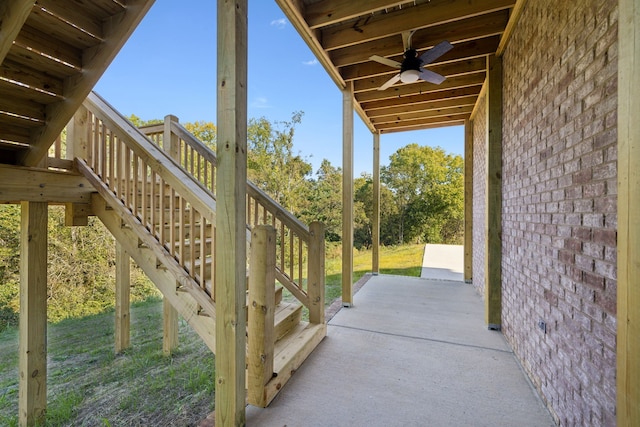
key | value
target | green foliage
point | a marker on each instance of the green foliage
(204, 131)
(81, 269)
(429, 192)
(272, 164)
(324, 200)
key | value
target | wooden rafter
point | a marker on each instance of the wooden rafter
(13, 14)
(116, 31)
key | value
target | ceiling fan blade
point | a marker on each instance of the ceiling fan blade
(390, 82)
(431, 77)
(386, 61)
(436, 52)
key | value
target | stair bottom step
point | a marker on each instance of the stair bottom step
(290, 352)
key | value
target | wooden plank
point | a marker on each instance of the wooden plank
(410, 124)
(435, 12)
(375, 239)
(95, 61)
(291, 352)
(481, 94)
(347, 196)
(493, 269)
(424, 126)
(516, 13)
(31, 77)
(40, 185)
(123, 294)
(43, 44)
(328, 12)
(407, 117)
(13, 15)
(169, 327)
(316, 275)
(421, 87)
(423, 98)
(423, 107)
(87, 22)
(260, 328)
(628, 285)
(468, 200)
(455, 32)
(32, 401)
(230, 275)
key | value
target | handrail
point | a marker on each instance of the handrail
(293, 237)
(155, 189)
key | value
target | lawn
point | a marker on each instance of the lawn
(88, 385)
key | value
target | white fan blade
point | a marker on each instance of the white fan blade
(390, 82)
(385, 61)
(431, 77)
(436, 52)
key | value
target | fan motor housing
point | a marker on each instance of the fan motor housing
(411, 61)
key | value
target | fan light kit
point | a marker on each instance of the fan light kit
(411, 68)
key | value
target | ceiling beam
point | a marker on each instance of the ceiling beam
(422, 98)
(454, 32)
(511, 25)
(425, 15)
(13, 15)
(407, 117)
(117, 30)
(451, 69)
(420, 123)
(411, 89)
(423, 107)
(323, 13)
(460, 51)
(435, 125)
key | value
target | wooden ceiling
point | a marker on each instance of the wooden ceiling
(344, 34)
(52, 53)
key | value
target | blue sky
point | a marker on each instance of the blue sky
(168, 66)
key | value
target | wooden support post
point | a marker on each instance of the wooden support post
(170, 141)
(33, 314)
(468, 200)
(78, 131)
(493, 271)
(375, 238)
(169, 327)
(628, 306)
(230, 276)
(261, 330)
(347, 196)
(123, 292)
(315, 282)
(171, 145)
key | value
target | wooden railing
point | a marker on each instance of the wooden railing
(294, 265)
(179, 215)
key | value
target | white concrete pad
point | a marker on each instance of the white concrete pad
(443, 262)
(411, 352)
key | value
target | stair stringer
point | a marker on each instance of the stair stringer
(165, 281)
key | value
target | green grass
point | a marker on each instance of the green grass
(88, 385)
(405, 260)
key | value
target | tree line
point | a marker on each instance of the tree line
(421, 201)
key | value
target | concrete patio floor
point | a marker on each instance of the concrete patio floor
(410, 352)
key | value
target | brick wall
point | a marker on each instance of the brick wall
(559, 204)
(479, 194)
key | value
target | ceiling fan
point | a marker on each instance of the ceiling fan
(411, 68)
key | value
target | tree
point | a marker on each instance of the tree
(428, 189)
(204, 131)
(324, 200)
(272, 165)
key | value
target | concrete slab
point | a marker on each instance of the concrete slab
(411, 352)
(443, 262)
